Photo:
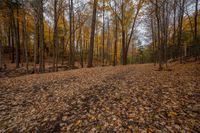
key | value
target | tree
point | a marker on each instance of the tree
(91, 49)
(116, 38)
(55, 37)
(71, 34)
(103, 34)
(127, 18)
(180, 26)
(17, 32)
(1, 62)
(196, 28)
(41, 36)
(24, 36)
(38, 11)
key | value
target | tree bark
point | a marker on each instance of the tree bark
(159, 38)
(90, 55)
(103, 35)
(25, 40)
(71, 45)
(55, 37)
(180, 27)
(17, 37)
(35, 46)
(116, 39)
(41, 37)
(196, 30)
(12, 38)
(1, 62)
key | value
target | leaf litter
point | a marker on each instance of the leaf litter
(132, 98)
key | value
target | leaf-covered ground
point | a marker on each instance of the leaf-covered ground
(134, 98)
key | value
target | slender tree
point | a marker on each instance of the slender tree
(55, 37)
(71, 34)
(17, 37)
(91, 49)
(116, 37)
(196, 29)
(24, 23)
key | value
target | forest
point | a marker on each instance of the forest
(47, 35)
(99, 66)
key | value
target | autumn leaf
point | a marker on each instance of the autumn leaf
(172, 114)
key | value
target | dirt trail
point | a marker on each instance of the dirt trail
(133, 98)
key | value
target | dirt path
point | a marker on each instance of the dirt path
(111, 99)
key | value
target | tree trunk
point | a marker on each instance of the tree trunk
(1, 62)
(55, 37)
(196, 30)
(12, 38)
(174, 26)
(63, 39)
(36, 46)
(116, 39)
(41, 39)
(124, 59)
(25, 40)
(180, 26)
(9, 41)
(153, 40)
(81, 48)
(103, 35)
(17, 40)
(159, 38)
(108, 44)
(71, 45)
(196, 20)
(90, 55)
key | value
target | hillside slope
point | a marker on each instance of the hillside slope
(110, 99)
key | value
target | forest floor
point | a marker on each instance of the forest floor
(133, 98)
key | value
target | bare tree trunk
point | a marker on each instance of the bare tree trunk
(12, 39)
(180, 27)
(86, 49)
(17, 40)
(41, 39)
(196, 30)
(196, 20)
(25, 40)
(81, 47)
(132, 52)
(124, 59)
(9, 40)
(166, 29)
(103, 35)
(153, 41)
(159, 38)
(174, 26)
(38, 42)
(116, 38)
(63, 39)
(90, 55)
(49, 40)
(108, 43)
(71, 45)
(55, 37)
(73, 39)
(1, 62)
(35, 46)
